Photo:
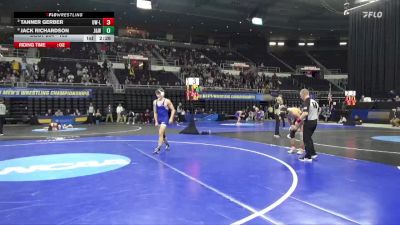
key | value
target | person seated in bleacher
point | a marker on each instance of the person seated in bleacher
(395, 119)
(97, 116)
(250, 115)
(270, 112)
(49, 113)
(183, 115)
(325, 112)
(141, 118)
(131, 117)
(362, 98)
(58, 113)
(259, 115)
(342, 120)
(68, 112)
(357, 120)
(147, 118)
(77, 112)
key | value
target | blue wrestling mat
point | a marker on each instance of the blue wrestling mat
(201, 180)
(65, 130)
(387, 138)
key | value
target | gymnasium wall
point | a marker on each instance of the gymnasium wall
(374, 48)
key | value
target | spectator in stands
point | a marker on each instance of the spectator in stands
(259, 115)
(278, 106)
(140, 118)
(362, 98)
(78, 66)
(3, 111)
(274, 81)
(395, 119)
(97, 115)
(77, 112)
(124, 115)
(65, 71)
(68, 112)
(90, 112)
(127, 81)
(342, 120)
(397, 98)
(71, 78)
(120, 109)
(270, 112)
(325, 112)
(49, 113)
(13, 78)
(24, 71)
(357, 120)
(109, 112)
(183, 115)
(250, 116)
(58, 113)
(147, 118)
(131, 117)
(15, 67)
(179, 112)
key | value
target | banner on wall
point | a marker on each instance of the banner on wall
(44, 93)
(234, 96)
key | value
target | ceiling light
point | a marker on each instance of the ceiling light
(257, 21)
(143, 4)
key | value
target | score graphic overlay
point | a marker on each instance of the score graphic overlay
(192, 88)
(350, 98)
(59, 29)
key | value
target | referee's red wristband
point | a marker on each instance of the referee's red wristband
(298, 120)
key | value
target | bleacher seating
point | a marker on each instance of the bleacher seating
(77, 51)
(264, 59)
(315, 84)
(332, 59)
(220, 55)
(124, 48)
(146, 77)
(57, 65)
(53, 70)
(294, 58)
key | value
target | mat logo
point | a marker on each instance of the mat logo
(372, 14)
(63, 166)
(59, 166)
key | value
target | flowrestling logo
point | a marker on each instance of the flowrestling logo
(372, 14)
(59, 166)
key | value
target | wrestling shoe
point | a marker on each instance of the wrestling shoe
(292, 150)
(157, 151)
(304, 159)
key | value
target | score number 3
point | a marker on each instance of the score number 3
(108, 21)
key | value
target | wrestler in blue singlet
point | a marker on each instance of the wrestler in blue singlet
(163, 112)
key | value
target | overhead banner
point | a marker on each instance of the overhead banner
(44, 93)
(234, 96)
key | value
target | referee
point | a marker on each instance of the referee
(2, 115)
(310, 118)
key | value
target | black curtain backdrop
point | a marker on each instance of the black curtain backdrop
(374, 50)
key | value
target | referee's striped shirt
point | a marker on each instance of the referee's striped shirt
(310, 106)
